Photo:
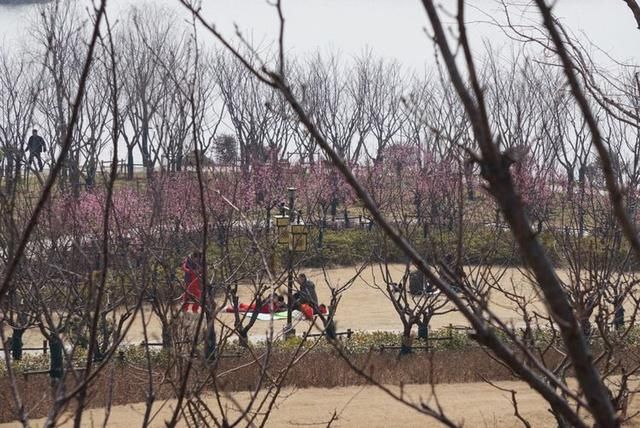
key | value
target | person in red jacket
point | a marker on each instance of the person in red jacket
(192, 267)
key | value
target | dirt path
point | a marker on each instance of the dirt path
(363, 306)
(475, 404)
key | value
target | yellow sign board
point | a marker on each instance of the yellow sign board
(298, 241)
(282, 225)
(294, 235)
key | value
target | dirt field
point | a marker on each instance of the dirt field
(475, 404)
(363, 306)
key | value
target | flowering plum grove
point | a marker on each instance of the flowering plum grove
(401, 186)
(459, 176)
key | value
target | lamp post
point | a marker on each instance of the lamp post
(291, 191)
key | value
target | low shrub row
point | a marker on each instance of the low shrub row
(360, 342)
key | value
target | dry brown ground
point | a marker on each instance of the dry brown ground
(363, 306)
(128, 383)
(474, 404)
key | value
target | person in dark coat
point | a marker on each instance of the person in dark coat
(307, 293)
(36, 146)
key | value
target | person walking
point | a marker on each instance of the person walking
(36, 146)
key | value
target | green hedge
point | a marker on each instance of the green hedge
(360, 342)
(353, 246)
(341, 247)
(481, 245)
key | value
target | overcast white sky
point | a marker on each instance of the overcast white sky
(390, 28)
(393, 29)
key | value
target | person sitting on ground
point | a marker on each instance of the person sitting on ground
(307, 294)
(306, 300)
(278, 304)
(418, 284)
(272, 304)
